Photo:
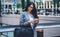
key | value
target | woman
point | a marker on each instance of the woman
(29, 20)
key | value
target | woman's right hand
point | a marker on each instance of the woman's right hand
(31, 21)
(34, 21)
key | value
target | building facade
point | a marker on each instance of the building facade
(16, 6)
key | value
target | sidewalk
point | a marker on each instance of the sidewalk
(15, 19)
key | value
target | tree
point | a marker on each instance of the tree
(19, 5)
(56, 2)
(24, 3)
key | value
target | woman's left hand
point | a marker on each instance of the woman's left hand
(36, 20)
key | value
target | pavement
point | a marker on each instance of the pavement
(15, 19)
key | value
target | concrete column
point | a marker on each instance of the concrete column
(41, 5)
(56, 10)
(52, 9)
(12, 9)
(46, 5)
(4, 5)
(49, 4)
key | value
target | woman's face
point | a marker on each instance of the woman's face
(30, 8)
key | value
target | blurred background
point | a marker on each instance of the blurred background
(44, 7)
(48, 12)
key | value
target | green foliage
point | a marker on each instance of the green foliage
(19, 5)
(25, 3)
(56, 2)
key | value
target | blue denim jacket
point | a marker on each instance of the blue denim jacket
(24, 18)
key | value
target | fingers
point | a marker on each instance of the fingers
(36, 20)
(31, 21)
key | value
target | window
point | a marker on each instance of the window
(10, 6)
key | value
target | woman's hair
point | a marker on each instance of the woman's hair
(34, 11)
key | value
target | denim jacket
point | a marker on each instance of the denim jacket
(24, 18)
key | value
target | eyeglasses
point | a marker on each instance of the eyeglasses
(31, 7)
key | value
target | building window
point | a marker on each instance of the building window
(10, 6)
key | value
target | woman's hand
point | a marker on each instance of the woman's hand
(36, 20)
(31, 21)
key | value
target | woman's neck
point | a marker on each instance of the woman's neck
(29, 12)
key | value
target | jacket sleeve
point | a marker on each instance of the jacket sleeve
(22, 22)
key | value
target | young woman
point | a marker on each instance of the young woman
(29, 20)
